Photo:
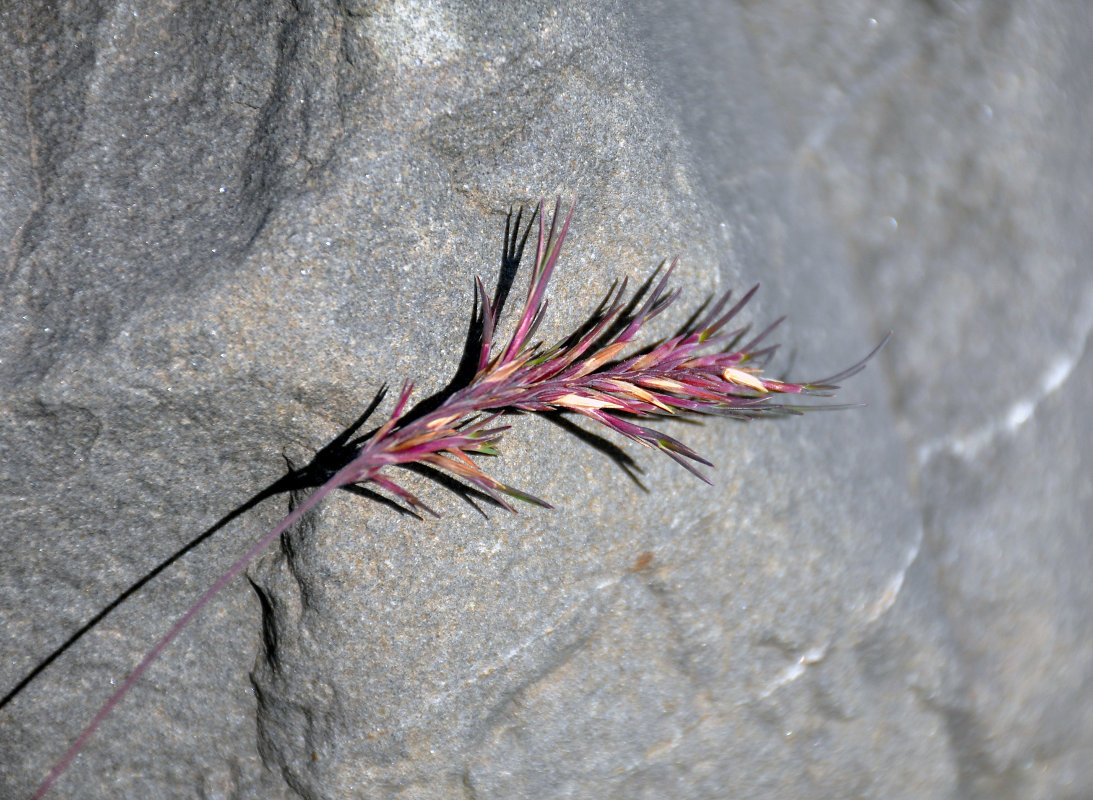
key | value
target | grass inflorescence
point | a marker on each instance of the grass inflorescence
(708, 368)
(705, 369)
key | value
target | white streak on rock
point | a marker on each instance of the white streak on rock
(795, 670)
(1021, 410)
(891, 591)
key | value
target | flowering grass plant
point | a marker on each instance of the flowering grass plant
(705, 369)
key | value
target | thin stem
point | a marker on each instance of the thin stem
(178, 627)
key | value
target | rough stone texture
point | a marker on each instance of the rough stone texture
(223, 231)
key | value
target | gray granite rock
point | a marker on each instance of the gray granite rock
(224, 231)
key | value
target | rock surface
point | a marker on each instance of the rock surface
(224, 231)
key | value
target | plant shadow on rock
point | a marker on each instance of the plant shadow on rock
(345, 446)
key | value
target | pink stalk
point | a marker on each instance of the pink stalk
(176, 629)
